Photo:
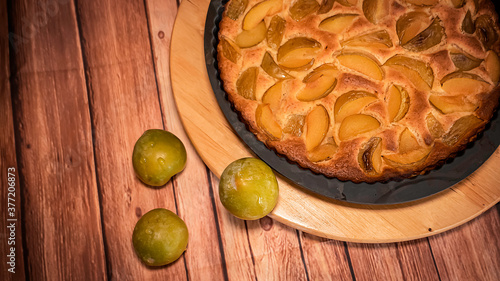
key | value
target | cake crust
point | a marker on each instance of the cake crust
(359, 93)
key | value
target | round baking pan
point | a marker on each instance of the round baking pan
(393, 192)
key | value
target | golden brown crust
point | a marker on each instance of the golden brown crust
(449, 132)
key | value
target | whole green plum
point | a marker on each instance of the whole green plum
(158, 155)
(160, 237)
(248, 188)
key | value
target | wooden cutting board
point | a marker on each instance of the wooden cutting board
(218, 145)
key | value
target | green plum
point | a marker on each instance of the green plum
(248, 188)
(160, 237)
(158, 155)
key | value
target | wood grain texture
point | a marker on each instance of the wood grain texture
(56, 168)
(375, 262)
(124, 101)
(326, 259)
(410, 260)
(192, 190)
(218, 146)
(416, 260)
(275, 250)
(470, 252)
(11, 194)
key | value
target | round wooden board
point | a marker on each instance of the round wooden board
(218, 145)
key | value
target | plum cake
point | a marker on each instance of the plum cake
(362, 90)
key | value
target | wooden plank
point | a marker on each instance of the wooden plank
(325, 259)
(124, 102)
(11, 235)
(471, 251)
(375, 261)
(410, 260)
(416, 260)
(61, 206)
(275, 250)
(192, 188)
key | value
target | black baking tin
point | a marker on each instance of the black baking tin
(392, 192)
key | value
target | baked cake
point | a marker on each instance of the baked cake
(362, 90)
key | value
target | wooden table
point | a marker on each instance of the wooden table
(80, 81)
